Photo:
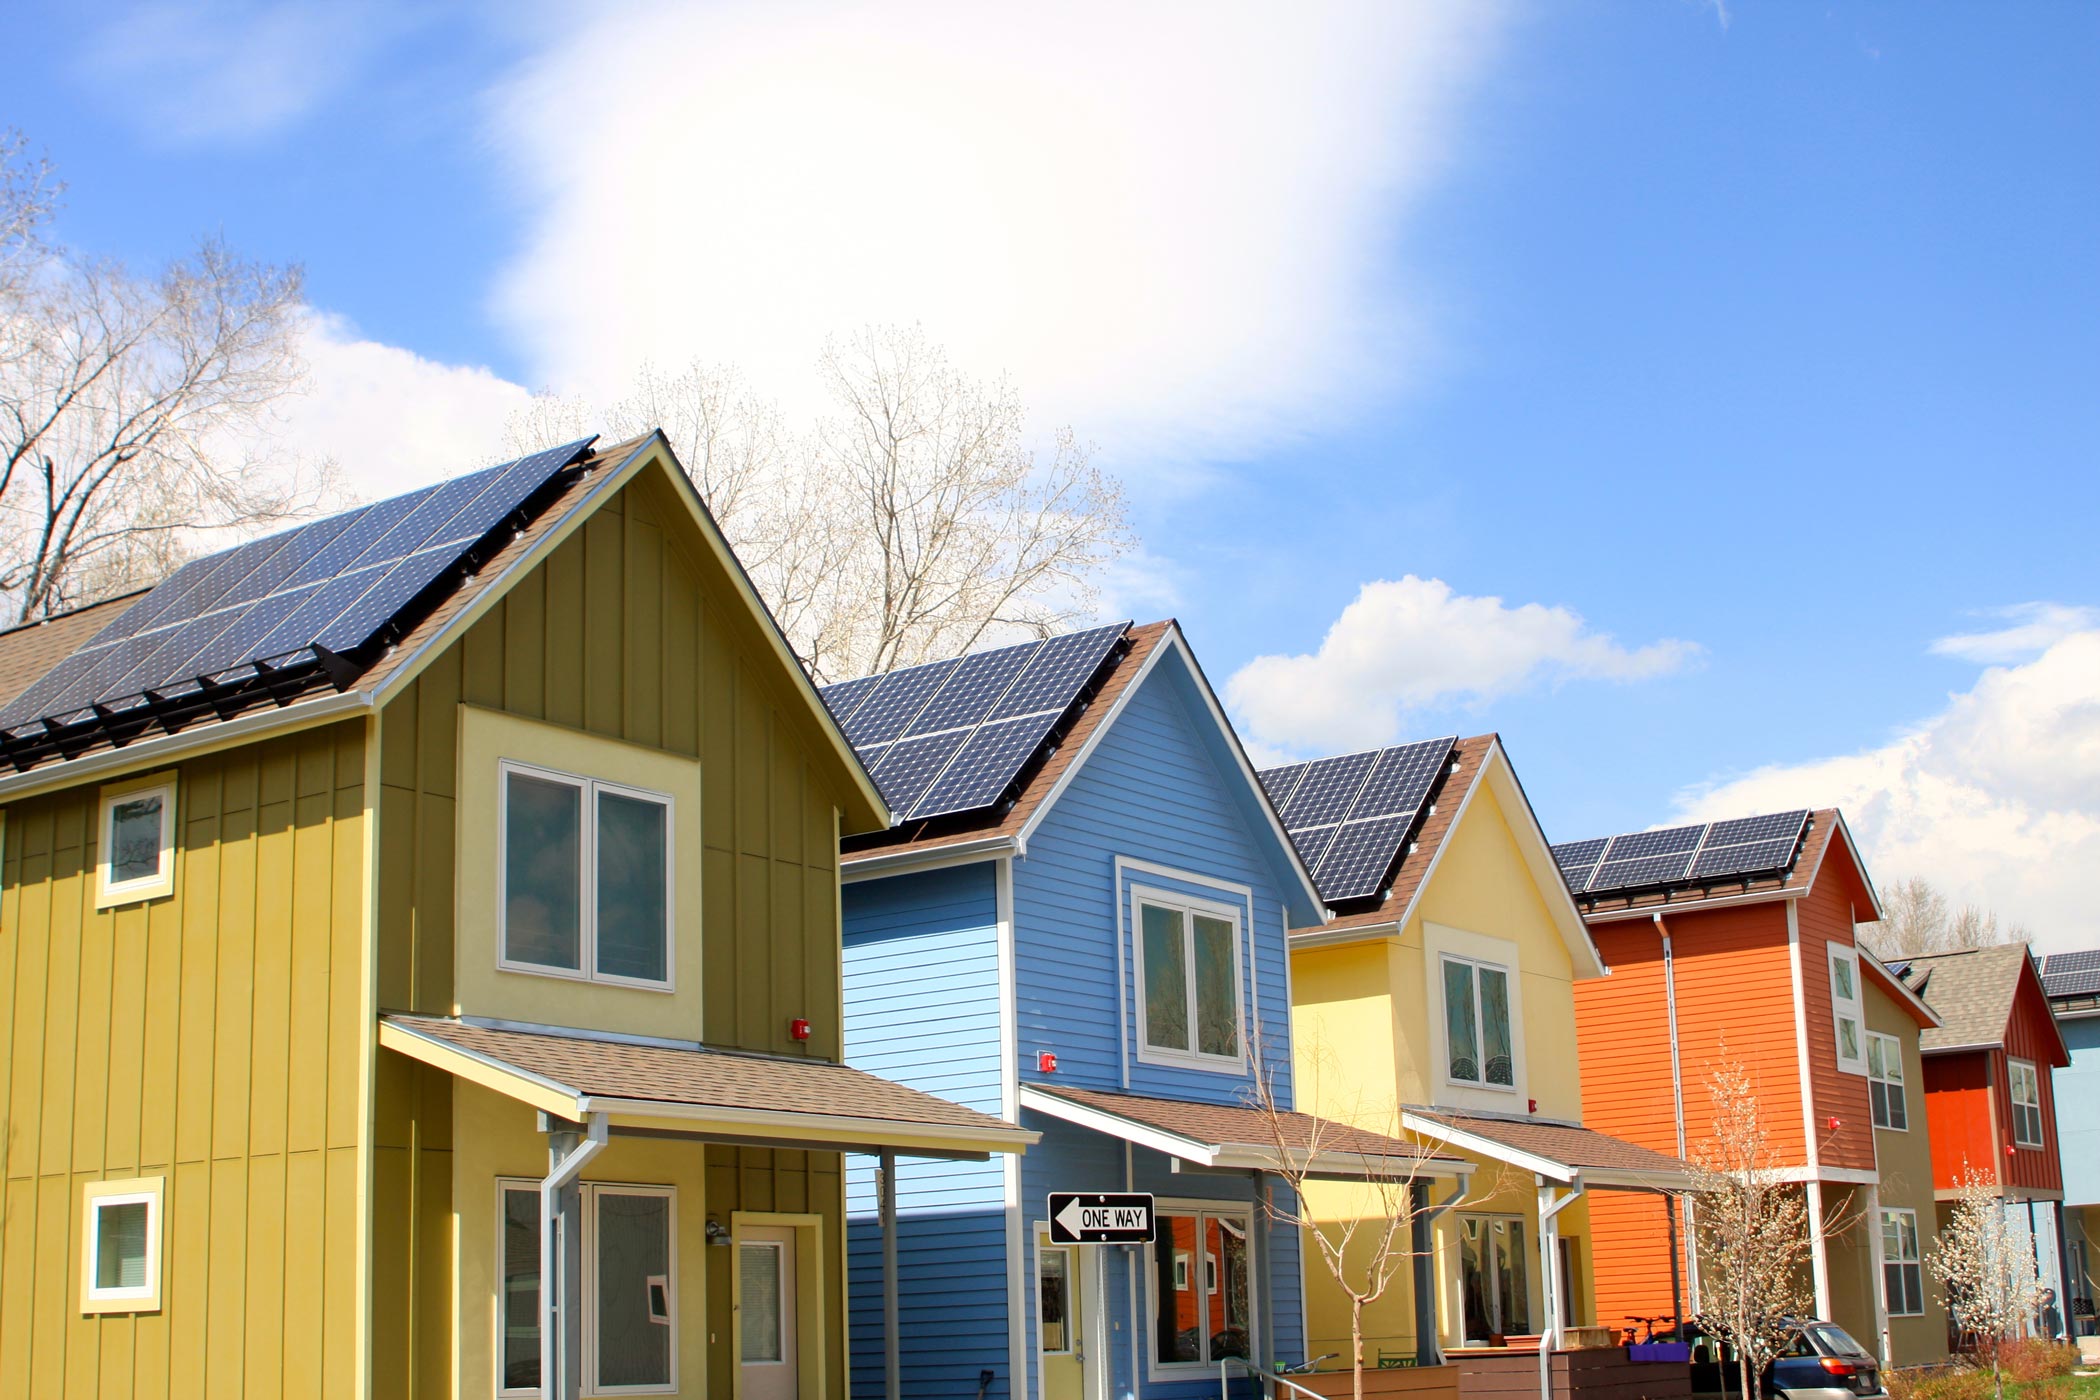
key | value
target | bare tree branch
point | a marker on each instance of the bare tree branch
(1920, 921)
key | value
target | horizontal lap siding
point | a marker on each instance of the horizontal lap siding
(922, 1008)
(1825, 921)
(214, 1039)
(2029, 1036)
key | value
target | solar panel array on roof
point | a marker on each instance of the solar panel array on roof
(1740, 849)
(301, 598)
(955, 736)
(2072, 974)
(1351, 815)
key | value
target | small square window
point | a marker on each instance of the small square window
(136, 841)
(120, 1246)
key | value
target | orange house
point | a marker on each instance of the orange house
(1734, 941)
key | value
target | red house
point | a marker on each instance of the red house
(1989, 1101)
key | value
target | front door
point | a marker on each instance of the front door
(1494, 1277)
(1061, 1309)
(766, 1312)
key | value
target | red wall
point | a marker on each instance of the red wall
(1968, 1102)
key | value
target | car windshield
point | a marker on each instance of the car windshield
(1836, 1340)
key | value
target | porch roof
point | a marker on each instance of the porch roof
(1246, 1139)
(685, 1089)
(1556, 1150)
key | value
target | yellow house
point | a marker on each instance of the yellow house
(1438, 999)
(401, 901)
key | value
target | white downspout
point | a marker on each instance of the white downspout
(1691, 1258)
(551, 1270)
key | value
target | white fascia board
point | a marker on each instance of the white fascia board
(1353, 933)
(874, 865)
(1202, 1154)
(839, 1127)
(1422, 1125)
(1693, 906)
(1622, 1179)
(392, 1032)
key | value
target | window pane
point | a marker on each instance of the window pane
(1513, 1264)
(1166, 981)
(1875, 1059)
(1476, 1278)
(1494, 1026)
(120, 1244)
(634, 1248)
(1458, 1022)
(633, 851)
(1056, 1301)
(759, 1304)
(542, 872)
(134, 838)
(520, 1303)
(1898, 1111)
(1848, 1038)
(1178, 1324)
(1217, 1012)
(1841, 978)
(1229, 1331)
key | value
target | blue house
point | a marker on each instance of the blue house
(1078, 924)
(2072, 982)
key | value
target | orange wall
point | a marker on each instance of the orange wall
(1825, 919)
(1959, 1113)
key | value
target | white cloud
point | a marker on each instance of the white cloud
(2033, 629)
(1171, 225)
(390, 419)
(1996, 799)
(1412, 643)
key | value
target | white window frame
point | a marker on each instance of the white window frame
(1509, 983)
(1043, 1250)
(1844, 1009)
(1890, 1082)
(1241, 1214)
(587, 956)
(2012, 1093)
(1915, 1260)
(110, 891)
(1187, 907)
(593, 1192)
(504, 1186)
(97, 1196)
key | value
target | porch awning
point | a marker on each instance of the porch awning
(1556, 1151)
(1220, 1135)
(694, 1091)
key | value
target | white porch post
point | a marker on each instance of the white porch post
(893, 1385)
(1819, 1259)
(561, 1254)
(1550, 1335)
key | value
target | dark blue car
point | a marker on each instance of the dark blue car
(1821, 1361)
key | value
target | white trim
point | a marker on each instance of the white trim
(879, 864)
(528, 1186)
(1687, 905)
(1158, 1372)
(1835, 1176)
(1423, 1126)
(873, 1131)
(1496, 768)
(111, 892)
(1819, 1248)
(589, 789)
(1071, 1254)
(593, 1192)
(1852, 1008)
(1891, 1053)
(96, 1197)
(783, 1308)
(1801, 1052)
(1443, 940)
(1189, 908)
(1476, 984)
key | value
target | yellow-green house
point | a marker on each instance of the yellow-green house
(1440, 1004)
(399, 902)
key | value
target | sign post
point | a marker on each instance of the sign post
(1095, 1217)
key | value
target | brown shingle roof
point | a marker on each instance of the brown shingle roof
(1144, 638)
(1222, 1125)
(1566, 1143)
(592, 1067)
(27, 652)
(1972, 991)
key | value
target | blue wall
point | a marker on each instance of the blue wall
(2078, 1111)
(922, 1008)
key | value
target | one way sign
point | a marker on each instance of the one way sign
(1097, 1218)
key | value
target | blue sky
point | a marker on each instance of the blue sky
(1745, 355)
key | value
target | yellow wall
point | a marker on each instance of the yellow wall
(1904, 1160)
(214, 1038)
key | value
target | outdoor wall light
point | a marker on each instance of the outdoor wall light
(717, 1232)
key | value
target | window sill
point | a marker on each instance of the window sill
(1471, 1086)
(586, 979)
(1210, 1064)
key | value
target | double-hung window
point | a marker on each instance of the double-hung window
(1846, 1009)
(1200, 1316)
(587, 878)
(1189, 990)
(630, 1326)
(2026, 1104)
(1477, 1038)
(1902, 1265)
(1885, 1081)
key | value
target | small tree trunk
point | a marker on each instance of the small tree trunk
(1356, 1348)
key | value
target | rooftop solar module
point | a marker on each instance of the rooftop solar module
(1279, 783)
(956, 735)
(1738, 849)
(315, 596)
(2072, 974)
(1329, 788)
(1351, 816)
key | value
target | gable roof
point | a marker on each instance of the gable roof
(1477, 762)
(1827, 843)
(1975, 992)
(316, 695)
(1005, 829)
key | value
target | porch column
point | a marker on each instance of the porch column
(1871, 1212)
(1676, 1275)
(561, 1253)
(893, 1384)
(1265, 1344)
(1550, 1335)
(1422, 1226)
(1819, 1258)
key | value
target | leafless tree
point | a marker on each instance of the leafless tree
(123, 401)
(1369, 1248)
(1753, 1229)
(912, 521)
(1987, 1265)
(1921, 920)
(29, 190)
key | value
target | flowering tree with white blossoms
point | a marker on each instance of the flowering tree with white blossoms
(1994, 1286)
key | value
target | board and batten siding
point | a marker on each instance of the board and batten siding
(214, 1038)
(922, 1008)
(629, 630)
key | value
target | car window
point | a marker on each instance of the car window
(1836, 1340)
(1797, 1344)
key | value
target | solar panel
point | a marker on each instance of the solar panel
(1057, 671)
(2071, 984)
(984, 766)
(1717, 862)
(1280, 782)
(977, 684)
(236, 644)
(890, 714)
(911, 765)
(1569, 854)
(844, 697)
(1328, 789)
(1402, 778)
(1312, 843)
(333, 558)
(1672, 841)
(1641, 870)
(1744, 830)
(423, 524)
(363, 619)
(299, 546)
(2084, 960)
(1356, 862)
